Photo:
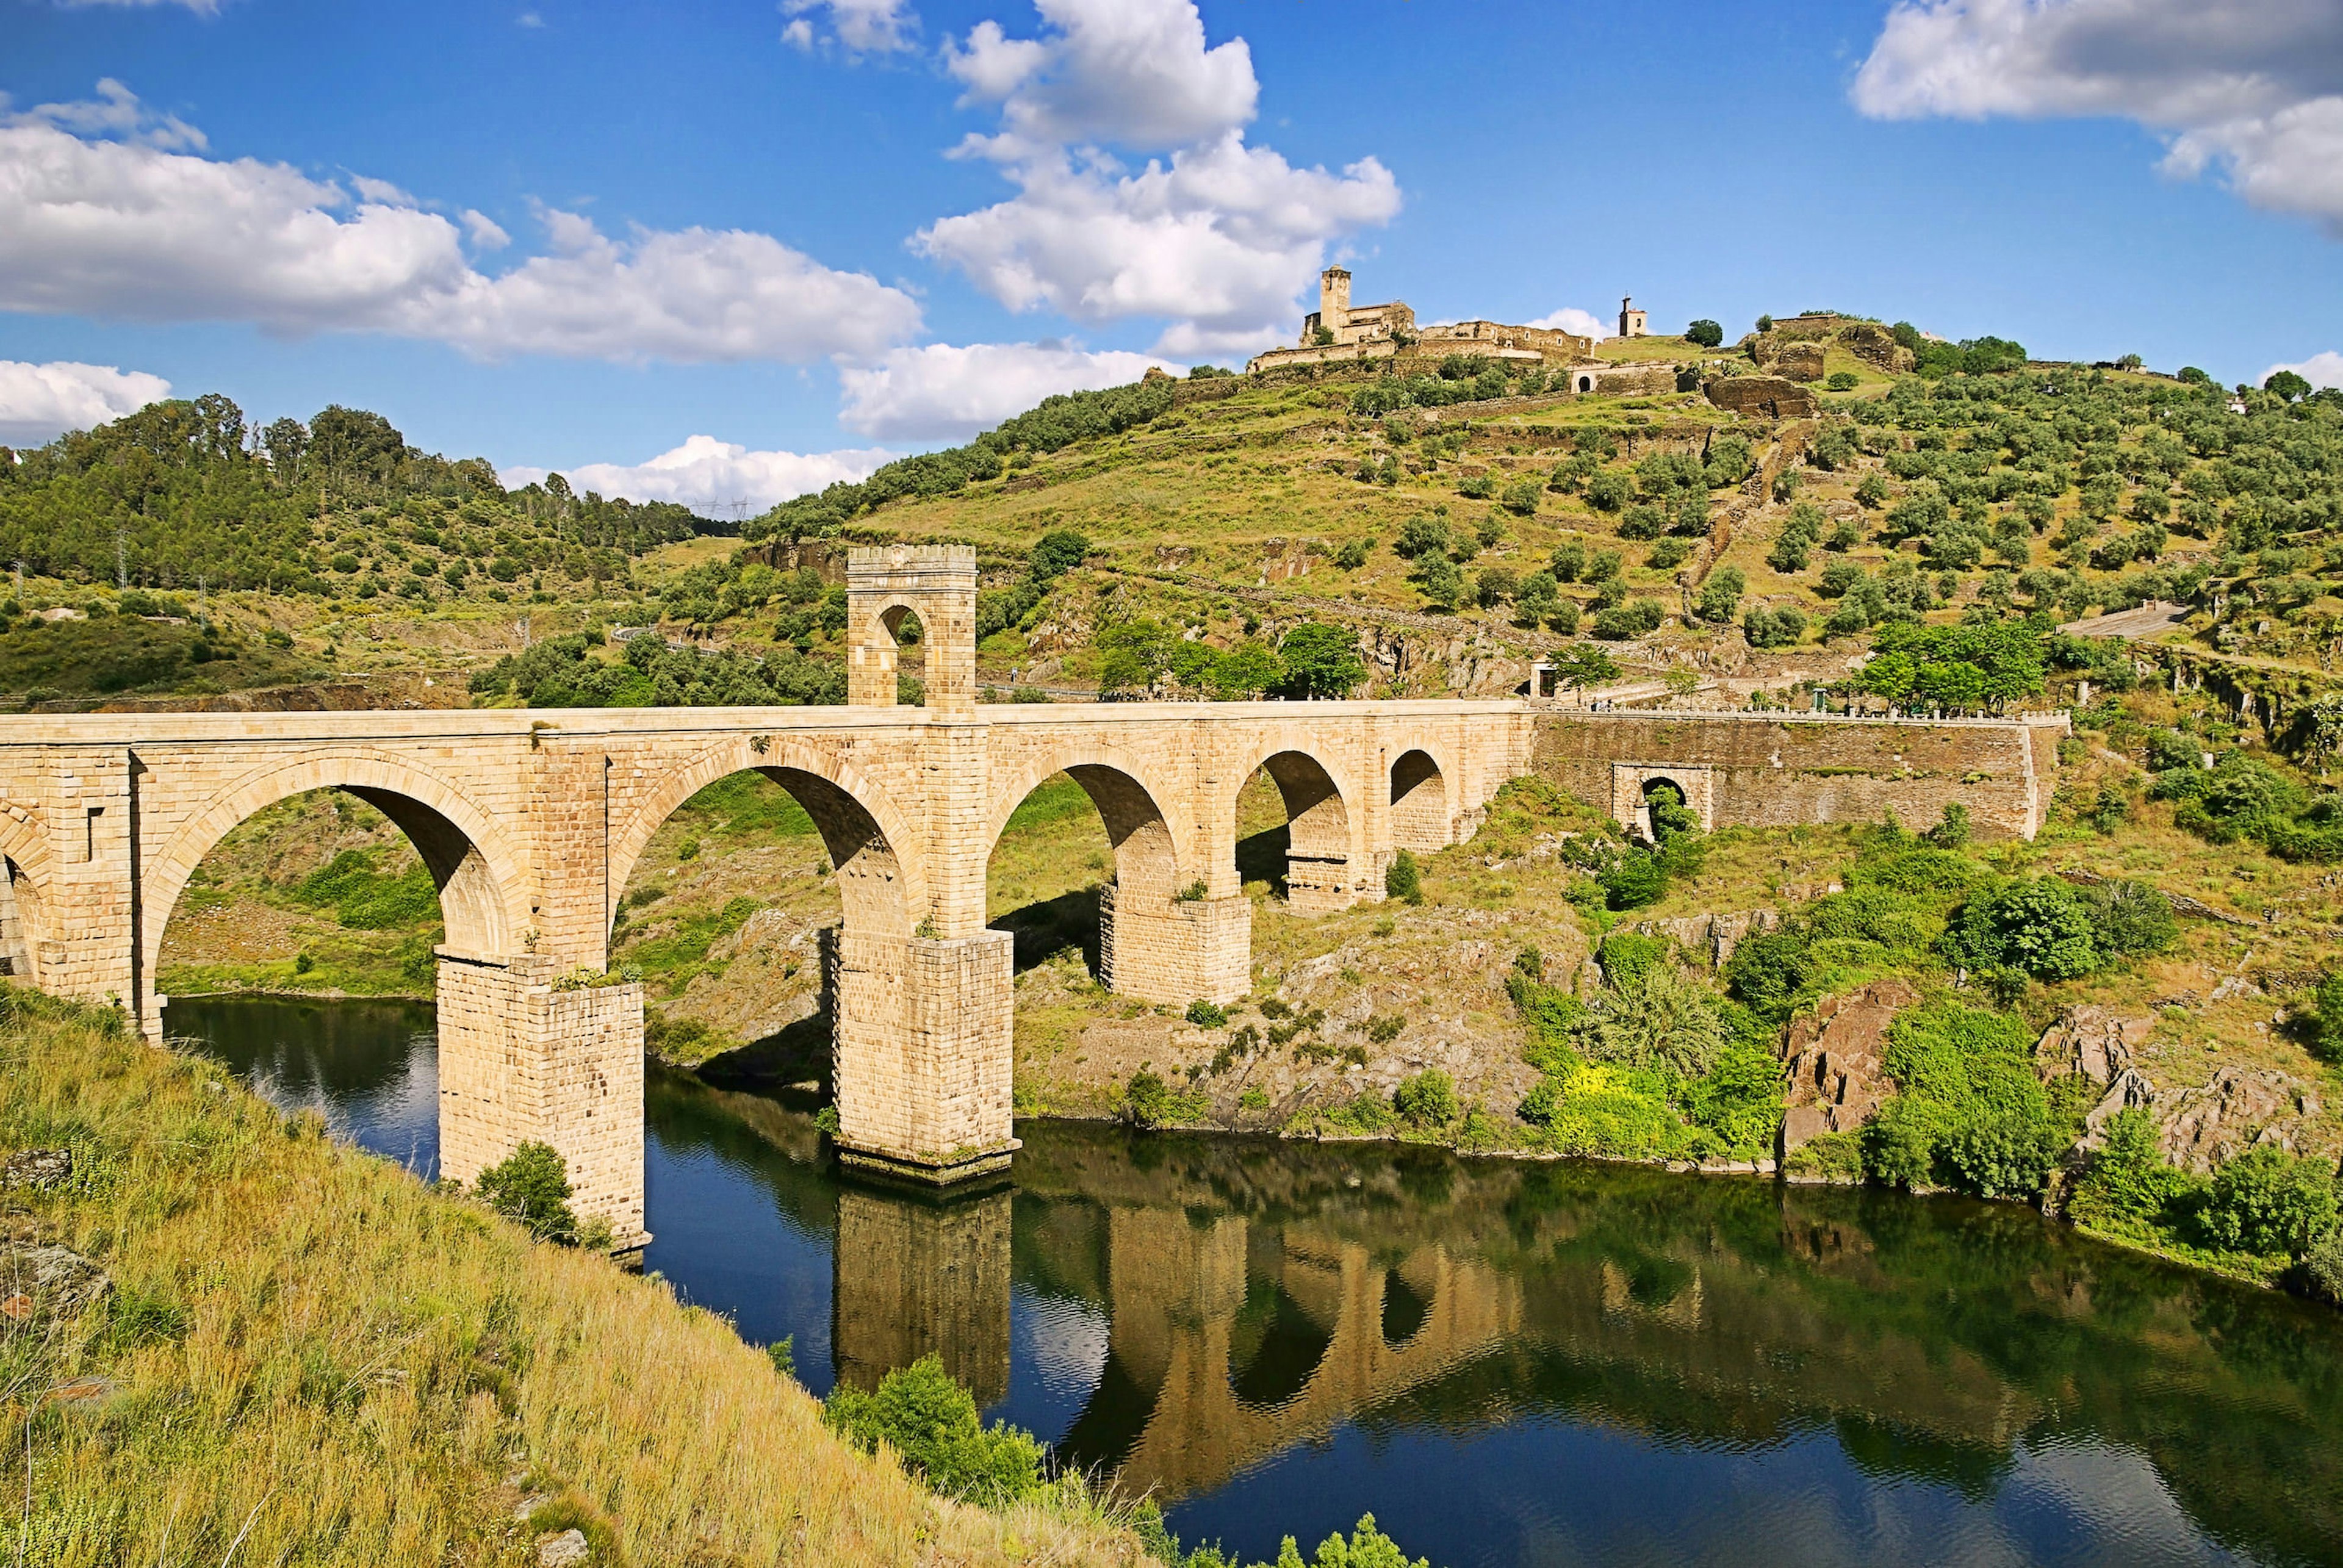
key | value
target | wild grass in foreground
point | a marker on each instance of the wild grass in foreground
(308, 1357)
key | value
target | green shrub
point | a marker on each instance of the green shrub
(2130, 920)
(932, 1424)
(531, 1185)
(1148, 1101)
(2322, 1270)
(2127, 1185)
(1427, 1099)
(1403, 879)
(2267, 1201)
(1768, 970)
(1633, 881)
(1842, 381)
(1205, 1015)
(1705, 333)
(1656, 1017)
(2036, 926)
(1971, 1112)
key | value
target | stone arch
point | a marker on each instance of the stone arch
(1404, 1309)
(1586, 381)
(1421, 815)
(1148, 863)
(880, 878)
(1317, 820)
(1631, 787)
(25, 883)
(482, 879)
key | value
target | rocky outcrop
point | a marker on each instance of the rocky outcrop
(1768, 396)
(1796, 358)
(1714, 937)
(2231, 1111)
(1835, 1062)
(1875, 347)
(2096, 1042)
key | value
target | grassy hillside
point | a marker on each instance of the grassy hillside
(308, 1353)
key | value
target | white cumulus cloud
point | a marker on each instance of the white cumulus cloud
(714, 477)
(2251, 88)
(1576, 321)
(2321, 369)
(857, 27)
(1213, 234)
(39, 403)
(125, 226)
(947, 392)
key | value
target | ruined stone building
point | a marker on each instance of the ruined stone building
(1339, 332)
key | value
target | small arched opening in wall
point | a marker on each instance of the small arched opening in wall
(1405, 1309)
(1661, 794)
(1294, 832)
(1419, 803)
(728, 906)
(1586, 383)
(1086, 844)
(346, 889)
(907, 637)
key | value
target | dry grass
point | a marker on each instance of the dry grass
(311, 1355)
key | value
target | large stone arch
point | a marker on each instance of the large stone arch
(1321, 815)
(1423, 799)
(24, 890)
(881, 876)
(1149, 861)
(482, 879)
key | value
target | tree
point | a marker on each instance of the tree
(2035, 925)
(1958, 669)
(1720, 596)
(1246, 670)
(1442, 584)
(1705, 333)
(531, 1185)
(1056, 553)
(1537, 598)
(2287, 384)
(1583, 664)
(1321, 660)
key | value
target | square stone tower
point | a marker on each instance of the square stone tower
(887, 583)
(1631, 320)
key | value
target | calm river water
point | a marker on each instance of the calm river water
(1508, 1364)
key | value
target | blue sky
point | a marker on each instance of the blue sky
(800, 237)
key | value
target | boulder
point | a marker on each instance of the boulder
(2097, 1042)
(1770, 396)
(565, 1549)
(1711, 938)
(36, 1167)
(1835, 1062)
(41, 1279)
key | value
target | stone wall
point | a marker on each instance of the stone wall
(1779, 771)
(1770, 396)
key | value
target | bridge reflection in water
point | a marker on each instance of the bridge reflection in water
(1229, 1340)
(1509, 1363)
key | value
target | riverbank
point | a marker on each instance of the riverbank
(302, 1349)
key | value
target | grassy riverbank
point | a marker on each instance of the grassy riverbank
(306, 1350)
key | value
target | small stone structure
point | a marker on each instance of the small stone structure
(1631, 320)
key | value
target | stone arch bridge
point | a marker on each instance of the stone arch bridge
(530, 822)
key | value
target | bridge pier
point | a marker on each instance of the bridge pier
(1175, 951)
(522, 1061)
(922, 1052)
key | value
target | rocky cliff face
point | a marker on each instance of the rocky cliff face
(1834, 1059)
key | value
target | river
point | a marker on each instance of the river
(1510, 1364)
